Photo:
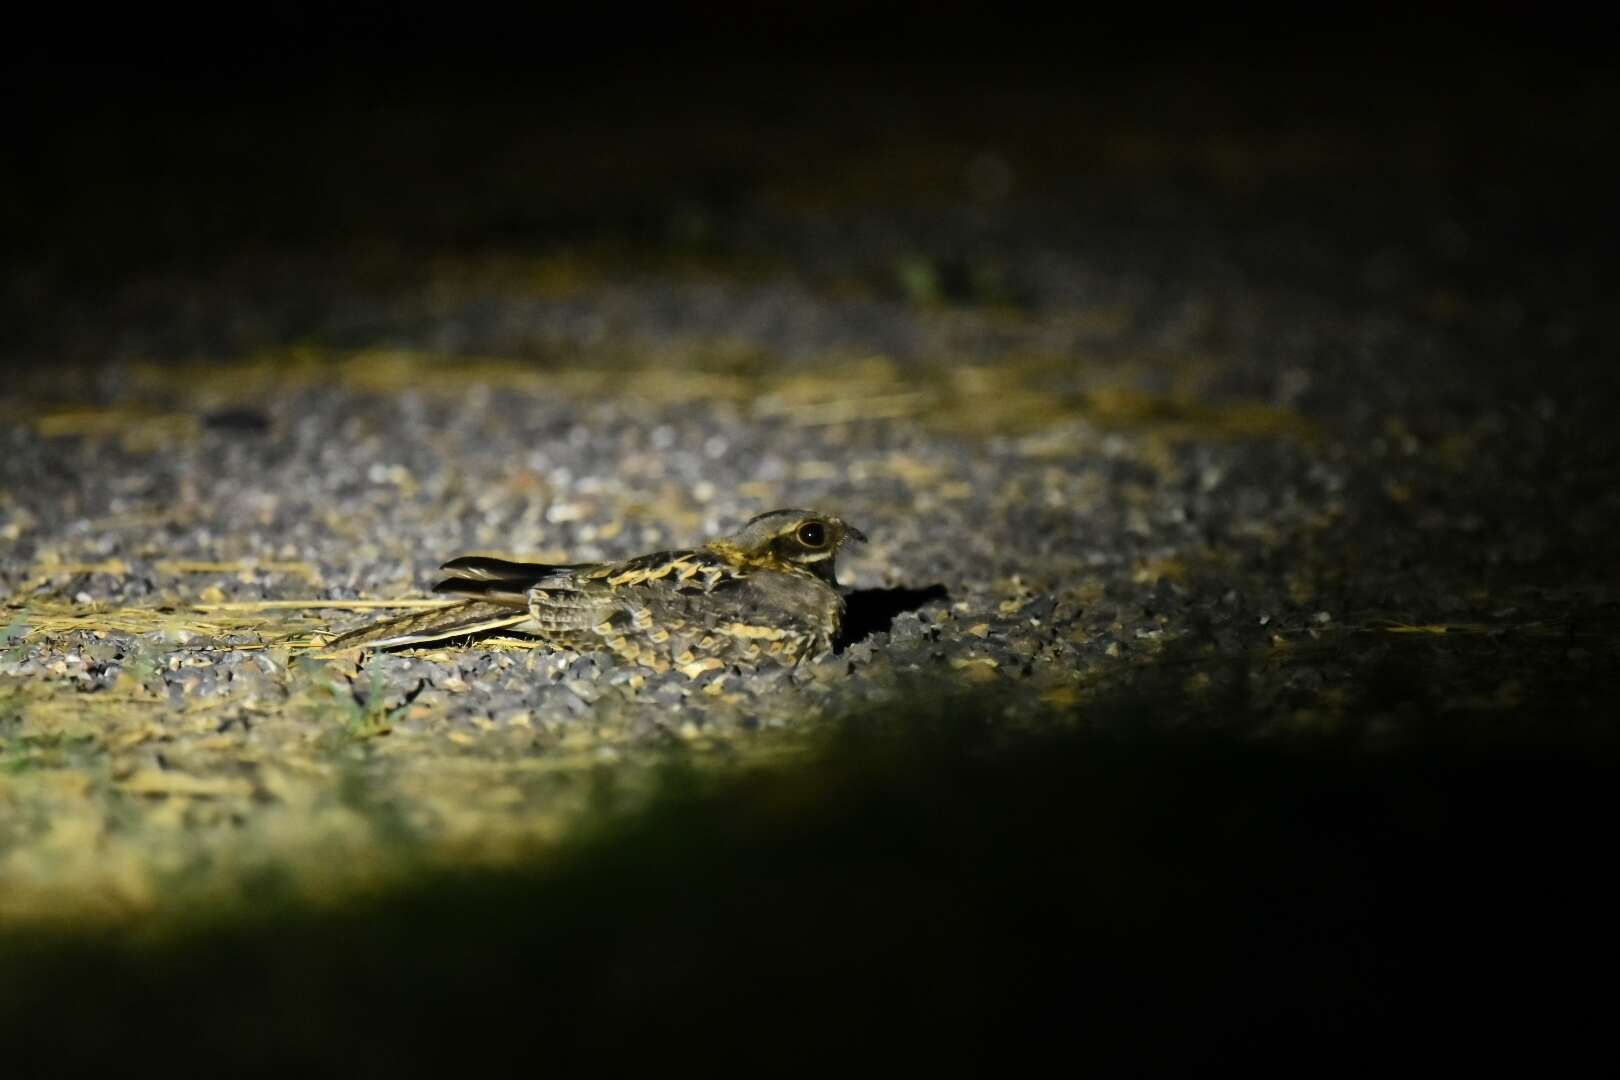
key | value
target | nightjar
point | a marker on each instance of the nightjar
(764, 593)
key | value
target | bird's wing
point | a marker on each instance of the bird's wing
(478, 575)
(686, 570)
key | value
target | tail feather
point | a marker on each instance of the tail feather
(470, 617)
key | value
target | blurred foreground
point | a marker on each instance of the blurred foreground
(935, 887)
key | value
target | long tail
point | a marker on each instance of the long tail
(434, 624)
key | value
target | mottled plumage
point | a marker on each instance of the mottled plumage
(766, 592)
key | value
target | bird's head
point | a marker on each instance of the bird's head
(803, 541)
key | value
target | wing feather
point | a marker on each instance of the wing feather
(484, 568)
(472, 617)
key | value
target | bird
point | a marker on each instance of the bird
(767, 593)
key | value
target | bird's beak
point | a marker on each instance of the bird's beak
(851, 532)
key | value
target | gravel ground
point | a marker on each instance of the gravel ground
(1319, 454)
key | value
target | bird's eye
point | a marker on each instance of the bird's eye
(813, 534)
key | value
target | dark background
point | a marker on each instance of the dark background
(140, 140)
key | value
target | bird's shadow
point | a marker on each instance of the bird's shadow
(872, 611)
